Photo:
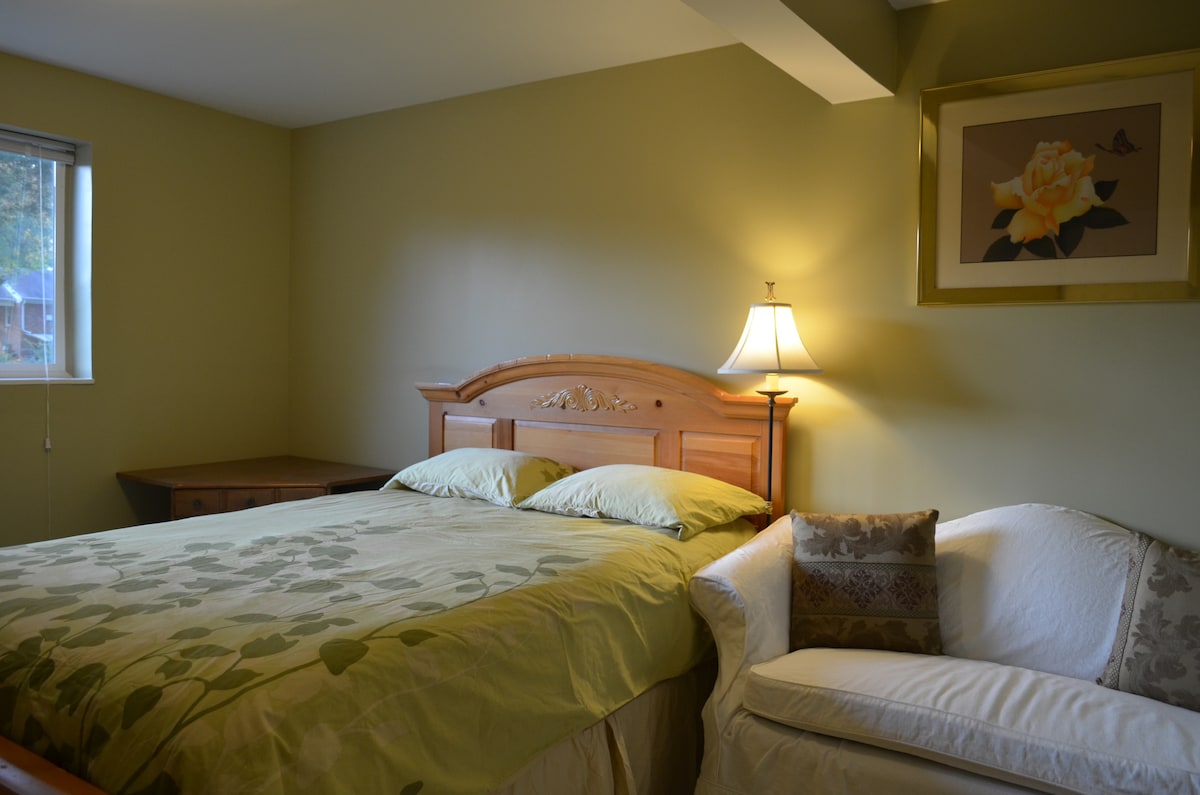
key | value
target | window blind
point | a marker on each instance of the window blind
(35, 146)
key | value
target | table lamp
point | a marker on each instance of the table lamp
(771, 345)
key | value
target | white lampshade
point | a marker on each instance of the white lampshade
(770, 343)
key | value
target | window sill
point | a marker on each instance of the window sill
(21, 380)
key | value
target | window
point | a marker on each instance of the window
(45, 252)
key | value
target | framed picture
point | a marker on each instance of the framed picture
(1070, 185)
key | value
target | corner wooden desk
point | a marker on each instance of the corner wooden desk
(199, 489)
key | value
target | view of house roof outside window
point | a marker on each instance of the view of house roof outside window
(28, 237)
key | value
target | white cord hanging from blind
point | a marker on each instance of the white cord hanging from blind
(36, 146)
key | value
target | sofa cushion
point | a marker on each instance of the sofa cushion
(1157, 649)
(865, 581)
(1030, 728)
(1037, 586)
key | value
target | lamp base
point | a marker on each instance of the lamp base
(771, 394)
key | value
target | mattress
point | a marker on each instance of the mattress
(365, 642)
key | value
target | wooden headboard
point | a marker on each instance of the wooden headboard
(589, 410)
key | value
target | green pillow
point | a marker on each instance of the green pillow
(504, 477)
(683, 501)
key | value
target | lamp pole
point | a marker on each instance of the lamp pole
(771, 395)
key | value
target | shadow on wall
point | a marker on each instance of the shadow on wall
(149, 504)
(893, 369)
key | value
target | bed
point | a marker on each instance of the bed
(429, 637)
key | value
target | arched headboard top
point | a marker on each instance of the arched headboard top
(586, 410)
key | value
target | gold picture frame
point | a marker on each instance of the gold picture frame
(1068, 185)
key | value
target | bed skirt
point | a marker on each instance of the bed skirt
(650, 746)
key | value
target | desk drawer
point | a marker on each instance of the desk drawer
(196, 502)
(237, 499)
(200, 502)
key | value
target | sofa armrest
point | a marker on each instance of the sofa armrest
(745, 597)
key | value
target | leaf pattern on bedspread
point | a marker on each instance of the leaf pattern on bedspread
(130, 662)
(307, 563)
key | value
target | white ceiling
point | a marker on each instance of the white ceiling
(299, 62)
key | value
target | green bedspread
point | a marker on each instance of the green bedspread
(361, 643)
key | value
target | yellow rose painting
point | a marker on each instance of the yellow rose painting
(1051, 203)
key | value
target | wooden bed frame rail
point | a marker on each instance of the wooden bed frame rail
(23, 772)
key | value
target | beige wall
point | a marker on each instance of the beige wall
(190, 275)
(637, 211)
(634, 211)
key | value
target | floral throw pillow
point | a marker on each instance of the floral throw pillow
(865, 581)
(1157, 650)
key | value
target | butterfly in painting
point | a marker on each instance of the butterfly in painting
(1121, 145)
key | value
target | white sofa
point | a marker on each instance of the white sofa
(1029, 599)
